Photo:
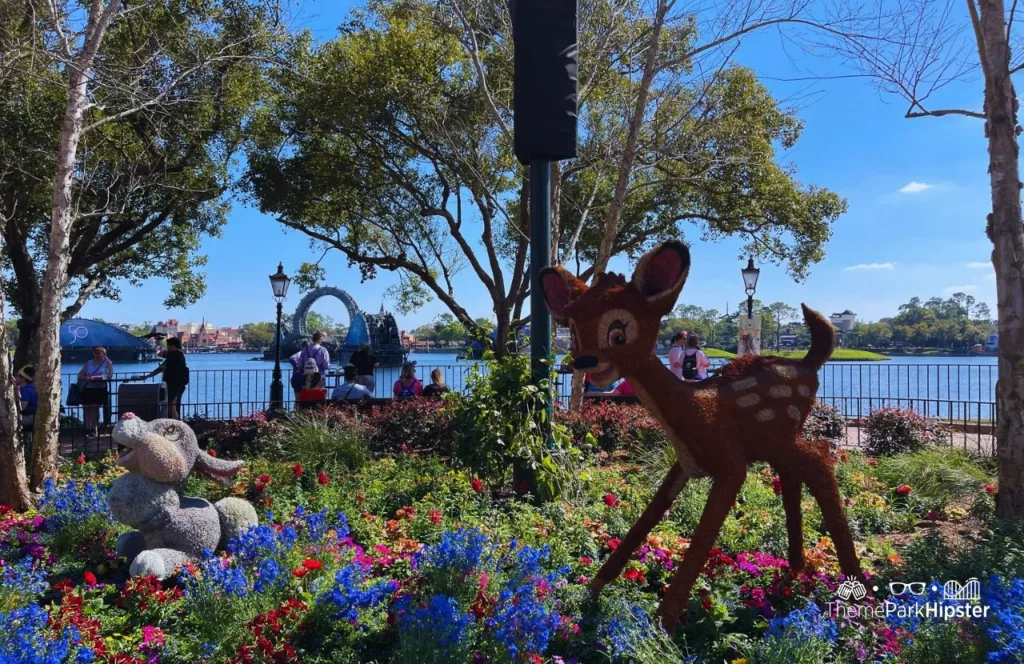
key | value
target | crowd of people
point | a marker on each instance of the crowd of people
(685, 359)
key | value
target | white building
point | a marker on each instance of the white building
(843, 322)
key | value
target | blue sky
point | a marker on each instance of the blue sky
(917, 192)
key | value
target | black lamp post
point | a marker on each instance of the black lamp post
(279, 282)
(750, 274)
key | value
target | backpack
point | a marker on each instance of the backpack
(690, 367)
(407, 391)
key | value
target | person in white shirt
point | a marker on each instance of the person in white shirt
(675, 354)
(695, 362)
(350, 390)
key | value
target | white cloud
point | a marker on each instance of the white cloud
(871, 266)
(979, 265)
(915, 188)
(960, 289)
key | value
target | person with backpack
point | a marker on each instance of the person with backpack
(408, 386)
(175, 371)
(675, 354)
(695, 362)
(313, 351)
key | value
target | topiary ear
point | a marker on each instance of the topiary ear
(661, 273)
(217, 469)
(560, 290)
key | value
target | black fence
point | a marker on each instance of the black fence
(960, 394)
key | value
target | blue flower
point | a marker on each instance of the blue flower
(269, 575)
(803, 625)
(348, 595)
(461, 551)
(26, 638)
(1005, 628)
(441, 622)
(216, 578)
(627, 626)
(22, 578)
(73, 503)
(254, 544)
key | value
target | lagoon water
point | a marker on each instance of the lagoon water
(960, 388)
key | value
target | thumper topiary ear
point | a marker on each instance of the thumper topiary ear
(217, 469)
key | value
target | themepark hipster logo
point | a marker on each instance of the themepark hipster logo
(908, 600)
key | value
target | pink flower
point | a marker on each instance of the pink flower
(989, 488)
(610, 500)
(777, 486)
(152, 636)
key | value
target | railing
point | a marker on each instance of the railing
(960, 394)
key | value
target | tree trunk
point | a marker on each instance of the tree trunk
(28, 336)
(13, 478)
(1007, 236)
(58, 255)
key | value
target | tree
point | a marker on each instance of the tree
(393, 146)
(913, 54)
(145, 128)
(258, 335)
(782, 313)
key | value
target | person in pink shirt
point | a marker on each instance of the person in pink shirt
(624, 389)
(408, 386)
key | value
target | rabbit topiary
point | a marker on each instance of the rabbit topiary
(171, 529)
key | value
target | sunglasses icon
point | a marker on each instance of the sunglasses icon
(898, 588)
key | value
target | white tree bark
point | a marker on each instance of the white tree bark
(1007, 235)
(45, 448)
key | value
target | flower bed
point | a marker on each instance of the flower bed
(411, 559)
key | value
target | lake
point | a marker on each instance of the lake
(958, 388)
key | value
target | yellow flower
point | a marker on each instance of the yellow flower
(741, 660)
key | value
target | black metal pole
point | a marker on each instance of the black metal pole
(750, 307)
(540, 257)
(276, 386)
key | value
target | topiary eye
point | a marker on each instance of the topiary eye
(617, 334)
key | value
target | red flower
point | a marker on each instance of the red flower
(535, 659)
(610, 500)
(81, 459)
(265, 478)
(777, 486)
(312, 564)
(586, 560)
(297, 470)
(360, 498)
(90, 578)
(435, 516)
(706, 604)
(633, 574)
(212, 453)
(614, 543)
(932, 516)
(843, 457)
(903, 490)
(872, 462)
(322, 478)
(989, 488)
(477, 485)
(300, 572)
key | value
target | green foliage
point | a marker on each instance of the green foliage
(957, 323)
(318, 441)
(787, 650)
(155, 157)
(941, 642)
(500, 424)
(942, 476)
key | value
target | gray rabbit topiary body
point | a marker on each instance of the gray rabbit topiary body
(171, 529)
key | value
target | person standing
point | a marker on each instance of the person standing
(315, 352)
(695, 362)
(175, 371)
(365, 362)
(675, 354)
(92, 388)
(28, 396)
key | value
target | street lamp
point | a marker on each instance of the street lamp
(279, 283)
(750, 274)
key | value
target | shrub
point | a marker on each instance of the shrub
(941, 476)
(896, 430)
(825, 422)
(614, 426)
(237, 437)
(414, 424)
(323, 441)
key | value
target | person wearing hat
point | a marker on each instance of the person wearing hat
(28, 395)
(351, 390)
(313, 388)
